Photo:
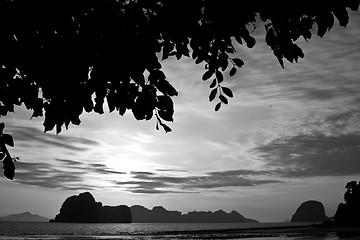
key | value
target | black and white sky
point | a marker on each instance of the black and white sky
(288, 135)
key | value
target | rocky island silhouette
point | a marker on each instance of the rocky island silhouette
(310, 211)
(84, 209)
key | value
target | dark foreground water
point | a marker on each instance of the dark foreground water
(257, 231)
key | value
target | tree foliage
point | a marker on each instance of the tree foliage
(61, 57)
(348, 213)
(8, 161)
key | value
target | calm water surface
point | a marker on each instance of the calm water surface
(68, 231)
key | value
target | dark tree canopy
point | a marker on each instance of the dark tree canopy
(348, 213)
(62, 57)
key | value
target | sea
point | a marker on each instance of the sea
(150, 231)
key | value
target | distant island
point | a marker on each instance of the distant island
(84, 208)
(310, 211)
(23, 217)
(159, 214)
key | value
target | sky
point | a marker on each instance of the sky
(288, 136)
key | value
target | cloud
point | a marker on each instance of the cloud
(48, 176)
(104, 170)
(151, 191)
(31, 135)
(64, 174)
(170, 170)
(68, 162)
(149, 182)
(85, 167)
(240, 172)
(312, 155)
(344, 122)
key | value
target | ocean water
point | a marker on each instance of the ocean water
(150, 231)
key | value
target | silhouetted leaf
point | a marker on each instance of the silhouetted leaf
(250, 42)
(99, 106)
(199, 59)
(48, 125)
(238, 62)
(227, 91)
(212, 94)
(207, 75)
(223, 59)
(281, 62)
(75, 121)
(324, 22)
(232, 71)
(49, 122)
(238, 39)
(223, 99)
(111, 101)
(217, 106)
(279, 56)
(297, 52)
(166, 115)
(342, 16)
(289, 56)
(165, 103)
(270, 37)
(122, 110)
(9, 167)
(165, 127)
(165, 107)
(156, 75)
(140, 107)
(37, 106)
(149, 114)
(88, 105)
(166, 88)
(213, 83)
(58, 128)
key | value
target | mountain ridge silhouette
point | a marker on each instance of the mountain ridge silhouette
(84, 208)
(23, 217)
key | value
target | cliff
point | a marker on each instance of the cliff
(84, 209)
(310, 211)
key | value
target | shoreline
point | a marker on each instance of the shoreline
(304, 231)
